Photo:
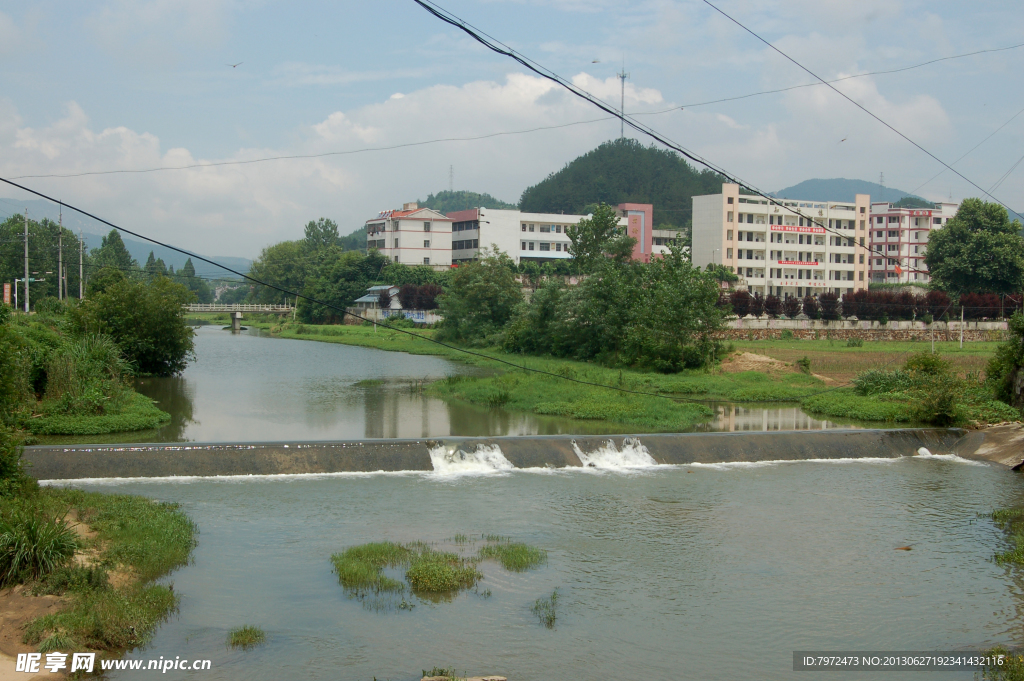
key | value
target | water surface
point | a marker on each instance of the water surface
(666, 573)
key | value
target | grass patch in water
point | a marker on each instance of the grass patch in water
(546, 609)
(1011, 669)
(361, 568)
(246, 637)
(441, 572)
(369, 383)
(137, 413)
(515, 557)
(1011, 521)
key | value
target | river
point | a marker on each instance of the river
(713, 571)
(247, 387)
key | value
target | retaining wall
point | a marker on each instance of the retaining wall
(50, 462)
(750, 328)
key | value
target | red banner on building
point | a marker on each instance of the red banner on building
(795, 228)
(798, 262)
(919, 213)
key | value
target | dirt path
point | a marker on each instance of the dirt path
(748, 361)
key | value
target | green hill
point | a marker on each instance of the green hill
(448, 202)
(841, 189)
(624, 171)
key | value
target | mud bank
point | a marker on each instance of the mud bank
(275, 458)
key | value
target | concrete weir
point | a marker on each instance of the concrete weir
(69, 462)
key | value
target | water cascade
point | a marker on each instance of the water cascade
(632, 455)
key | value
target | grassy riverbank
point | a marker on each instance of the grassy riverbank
(638, 399)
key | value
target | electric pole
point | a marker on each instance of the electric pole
(26, 261)
(80, 263)
(60, 254)
(622, 101)
(451, 179)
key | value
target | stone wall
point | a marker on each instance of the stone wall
(750, 328)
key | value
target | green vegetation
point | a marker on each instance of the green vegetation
(451, 201)
(427, 571)
(514, 557)
(480, 298)
(33, 544)
(136, 537)
(448, 673)
(979, 250)
(545, 609)
(1006, 369)
(246, 637)
(925, 390)
(624, 171)
(42, 253)
(1011, 521)
(1010, 668)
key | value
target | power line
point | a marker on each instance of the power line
(855, 103)
(500, 48)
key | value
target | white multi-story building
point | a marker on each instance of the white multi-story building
(525, 237)
(412, 236)
(796, 249)
(899, 241)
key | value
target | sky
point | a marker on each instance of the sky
(116, 85)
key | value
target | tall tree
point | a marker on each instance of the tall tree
(978, 251)
(112, 253)
(599, 237)
(321, 234)
(480, 297)
(44, 241)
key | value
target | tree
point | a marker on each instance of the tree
(321, 234)
(448, 202)
(811, 308)
(772, 305)
(979, 250)
(791, 307)
(599, 237)
(145, 319)
(740, 303)
(112, 253)
(480, 297)
(45, 237)
(722, 272)
(828, 303)
(187, 276)
(335, 283)
(1006, 369)
(156, 267)
(283, 265)
(384, 299)
(428, 294)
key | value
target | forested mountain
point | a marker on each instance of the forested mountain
(448, 202)
(841, 189)
(624, 171)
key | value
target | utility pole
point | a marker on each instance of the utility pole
(451, 179)
(60, 253)
(961, 327)
(26, 261)
(80, 264)
(881, 181)
(622, 100)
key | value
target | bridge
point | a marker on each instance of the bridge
(236, 310)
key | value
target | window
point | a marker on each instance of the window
(862, 211)
(878, 261)
(728, 235)
(936, 221)
(558, 229)
(531, 245)
(531, 228)
(729, 200)
(558, 247)
(879, 219)
(894, 218)
(524, 228)
(862, 222)
(728, 253)
(878, 235)
(728, 217)
(396, 258)
(524, 246)
(915, 248)
(892, 247)
(396, 242)
(426, 261)
(894, 233)
(545, 228)
(426, 243)
(750, 218)
(861, 259)
(862, 241)
(545, 247)
(426, 226)
(476, 243)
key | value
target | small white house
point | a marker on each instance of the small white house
(371, 301)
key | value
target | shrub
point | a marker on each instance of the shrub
(1005, 369)
(811, 308)
(86, 375)
(787, 334)
(804, 364)
(740, 303)
(877, 382)
(829, 304)
(854, 343)
(927, 363)
(757, 305)
(939, 401)
(33, 544)
(772, 305)
(791, 306)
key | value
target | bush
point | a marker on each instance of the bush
(740, 303)
(87, 376)
(13, 479)
(829, 304)
(854, 343)
(791, 306)
(772, 305)
(1005, 370)
(939, 401)
(787, 334)
(146, 320)
(811, 308)
(33, 544)
(927, 363)
(878, 382)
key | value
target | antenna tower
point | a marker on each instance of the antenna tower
(622, 99)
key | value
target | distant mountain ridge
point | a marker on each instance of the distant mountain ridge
(39, 209)
(841, 189)
(451, 201)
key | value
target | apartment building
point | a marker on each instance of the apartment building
(899, 241)
(412, 236)
(525, 237)
(797, 248)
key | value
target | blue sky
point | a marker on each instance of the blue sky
(134, 84)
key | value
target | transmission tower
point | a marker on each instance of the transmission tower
(622, 100)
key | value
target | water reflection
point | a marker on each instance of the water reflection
(246, 387)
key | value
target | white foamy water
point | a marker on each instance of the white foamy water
(923, 453)
(483, 460)
(743, 465)
(632, 455)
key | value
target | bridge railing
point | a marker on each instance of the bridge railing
(237, 307)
